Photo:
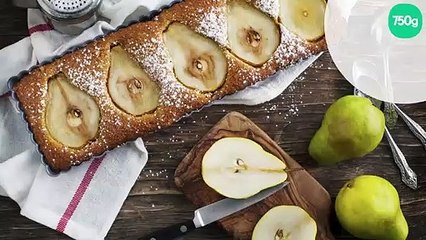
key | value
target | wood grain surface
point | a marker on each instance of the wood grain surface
(303, 190)
(291, 120)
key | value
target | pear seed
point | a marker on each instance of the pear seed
(135, 86)
(279, 235)
(199, 64)
(240, 165)
(253, 38)
(74, 117)
(77, 113)
(240, 162)
(305, 13)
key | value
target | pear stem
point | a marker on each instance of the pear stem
(268, 170)
(279, 235)
(258, 169)
(241, 165)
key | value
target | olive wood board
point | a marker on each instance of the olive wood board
(303, 190)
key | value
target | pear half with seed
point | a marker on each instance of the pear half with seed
(239, 168)
(304, 18)
(252, 35)
(198, 62)
(130, 87)
(72, 116)
(285, 223)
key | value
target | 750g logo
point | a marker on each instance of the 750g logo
(405, 20)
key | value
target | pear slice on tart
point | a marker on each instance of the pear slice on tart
(253, 36)
(72, 116)
(304, 18)
(239, 168)
(285, 223)
(198, 62)
(130, 87)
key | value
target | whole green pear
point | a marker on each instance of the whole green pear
(352, 127)
(368, 207)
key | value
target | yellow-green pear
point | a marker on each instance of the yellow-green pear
(368, 207)
(352, 127)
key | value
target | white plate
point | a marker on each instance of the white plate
(363, 48)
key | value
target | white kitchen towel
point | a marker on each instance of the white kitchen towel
(84, 201)
(270, 88)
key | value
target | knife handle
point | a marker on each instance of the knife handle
(171, 232)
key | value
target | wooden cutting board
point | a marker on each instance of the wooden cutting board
(303, 189)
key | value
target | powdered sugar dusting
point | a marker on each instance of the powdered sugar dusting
(270, 7)
(85, 74)
(290, 48)
(157, 63)
(246, 75)
(213, 24)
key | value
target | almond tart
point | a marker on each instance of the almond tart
(146, 76)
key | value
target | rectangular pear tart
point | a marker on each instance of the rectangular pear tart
(146, 76)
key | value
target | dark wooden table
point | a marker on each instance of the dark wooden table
(154, 201)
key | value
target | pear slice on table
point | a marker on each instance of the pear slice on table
(198, 61)
(239, 168)
(130, 87)
(252, 35)
(72, 116)
(304, 18)
(285, 223)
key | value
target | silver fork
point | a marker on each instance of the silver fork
(415, 128)
(408, 176)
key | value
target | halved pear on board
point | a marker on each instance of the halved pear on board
(304, 18)
(285, 223)
(239, 168)
(130, 87)
(198, 61)
(72, 116)
(253, 36)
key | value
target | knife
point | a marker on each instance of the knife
(211, 213)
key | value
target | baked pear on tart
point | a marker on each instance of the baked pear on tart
(253, 36)
(305, 18)
(129, 86)
(72, 115)
(198, 61)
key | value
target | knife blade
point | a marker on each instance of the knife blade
(211, 213)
